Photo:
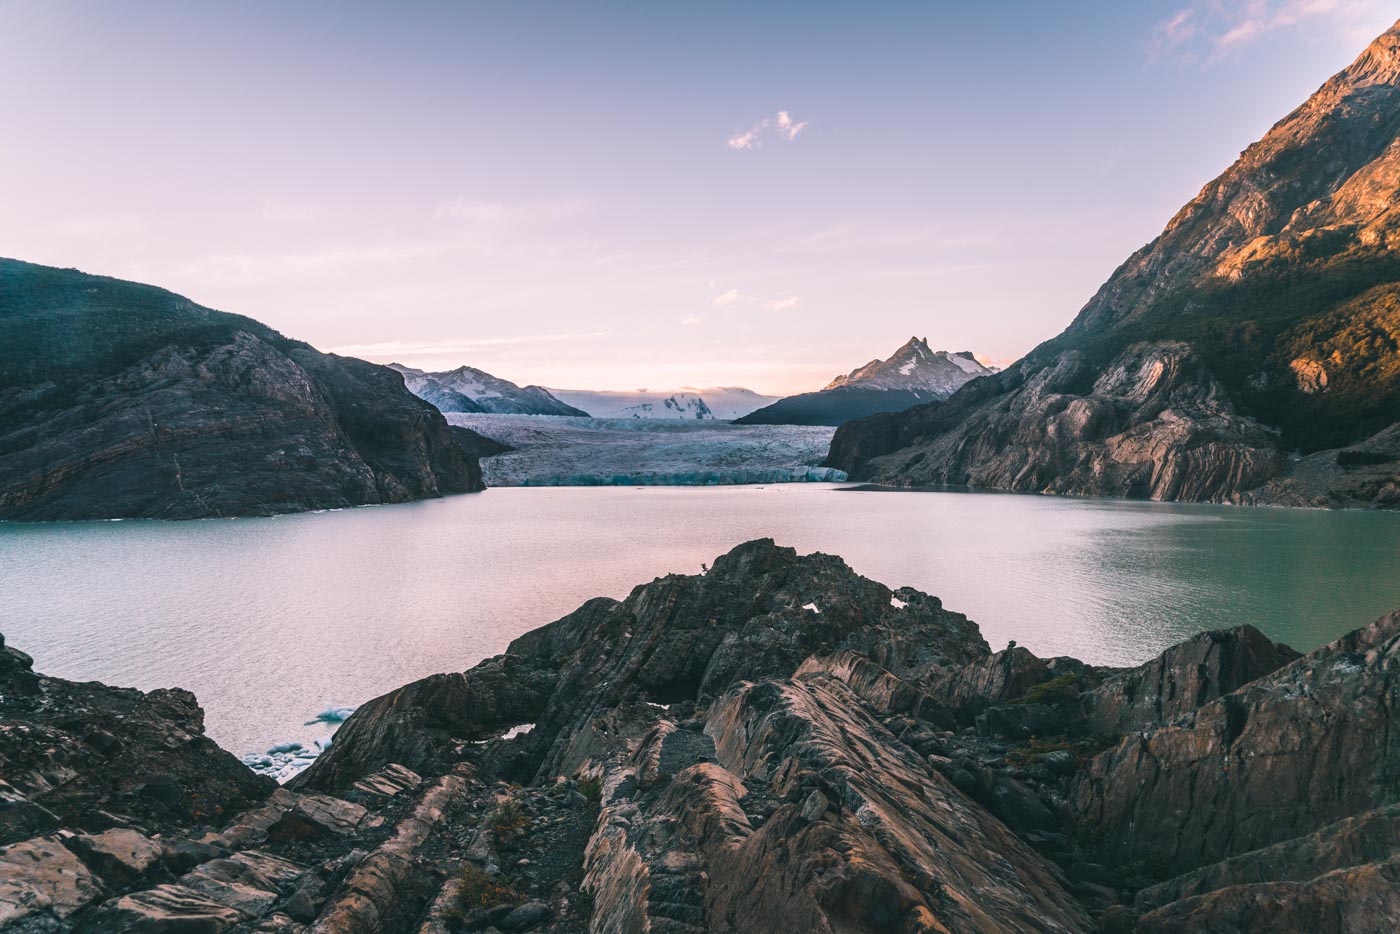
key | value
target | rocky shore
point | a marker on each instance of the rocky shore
(776, 745)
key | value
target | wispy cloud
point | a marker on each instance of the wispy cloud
(733, 301)
(780, 126)
(1205, 31)
(692, 319)
(727, 298)
(95, 227)
(509, 212)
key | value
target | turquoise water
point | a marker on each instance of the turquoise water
(271, 621)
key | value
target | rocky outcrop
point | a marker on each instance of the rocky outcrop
(1152, 425)
(77, 755)
(118, 815)
(776, 744)
(1308, 745)
(1181, 680)
(119, 400)
(1250, 353)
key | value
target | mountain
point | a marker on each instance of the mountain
(914, 374)
(776, 744)
(120, 400)
(1250, 353)
(724, 403)
(467, 389)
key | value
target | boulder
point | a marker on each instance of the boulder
(165, 909)
(1282, 756)
(1182, 679)
(43, 877)
(120, 854)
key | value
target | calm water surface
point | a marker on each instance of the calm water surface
(270, 621)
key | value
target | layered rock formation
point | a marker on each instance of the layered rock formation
(120, 400)
(777, 744)
(1251, 353)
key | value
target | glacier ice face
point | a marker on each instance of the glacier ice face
(641, 452)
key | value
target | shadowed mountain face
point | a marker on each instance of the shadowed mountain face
(912, 375)
(120, 400)
(1263, 322)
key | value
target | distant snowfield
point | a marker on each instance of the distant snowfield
(718, 402)
(560, 451)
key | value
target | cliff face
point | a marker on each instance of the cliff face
(120, 400)
(778, 744)
(1278, 283)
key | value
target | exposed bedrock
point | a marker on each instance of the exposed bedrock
(775, 744)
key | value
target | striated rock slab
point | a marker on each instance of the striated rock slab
(391, 874)
(163, 908)
(899, 847)
(1360, 900)
(1352, 841)
(122, 854)
(1281, 757)
(42, 877)
(1182, 679)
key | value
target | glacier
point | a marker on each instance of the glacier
(558, 451)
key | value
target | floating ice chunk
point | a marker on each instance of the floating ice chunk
(811, 606)
(897, 603)
(289, 746)
(520, 730)
(332, 715)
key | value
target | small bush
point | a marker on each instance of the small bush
(591, 787)
(1057, 690)
(1023, 757)
(507, 821)
(480, 889)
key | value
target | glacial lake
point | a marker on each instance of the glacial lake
(271, 621)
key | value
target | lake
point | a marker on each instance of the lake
(271, 621)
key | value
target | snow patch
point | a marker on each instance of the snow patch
(813, 607)
(968, 366)
(515, 731)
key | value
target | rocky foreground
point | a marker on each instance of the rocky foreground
(775, 745)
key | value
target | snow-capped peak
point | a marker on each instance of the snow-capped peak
(915, 366)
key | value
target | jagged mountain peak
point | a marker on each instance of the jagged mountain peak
(915, 366)
(1322, 182)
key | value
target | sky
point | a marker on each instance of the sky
(627, 195)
